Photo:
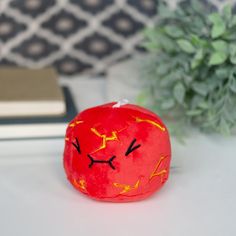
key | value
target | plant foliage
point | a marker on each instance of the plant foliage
(193, 66)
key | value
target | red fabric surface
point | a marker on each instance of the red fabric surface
(117, 154)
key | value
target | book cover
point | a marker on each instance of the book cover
(30, 92)
(39, 127)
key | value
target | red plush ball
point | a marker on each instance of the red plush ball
(117, 153)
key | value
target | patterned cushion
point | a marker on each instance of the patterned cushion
(74, 36)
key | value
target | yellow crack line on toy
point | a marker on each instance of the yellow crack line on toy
(73, 125)
(150, 122)
(104, 137)
(159, 173)
(76, 123)
(81, 184)
(126, 187)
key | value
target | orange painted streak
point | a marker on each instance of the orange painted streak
(161, 173)
(76, 123)
(150, 122)
(104, 137)
(67, 139)
(81, 184)
(126, 188)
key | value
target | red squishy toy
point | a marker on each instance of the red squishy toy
(117, 152)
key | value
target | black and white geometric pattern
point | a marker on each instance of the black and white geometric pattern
(75, 36)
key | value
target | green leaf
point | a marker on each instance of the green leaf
(227, 12)
(174, 31)
(197, 59)
(224, 127)
(219, 25)
(198, 24)
(186, 46)
(233, 21)
(218, 30)
(200, 88)
(233, 59)
(179, 92)
(150, 46)
(151, 33)
(220, 46)
(222, 73)
(196, 100)
(163, 68)
(167, 104)
(167, 43)
(217, 58)
(213, 82)
(203, 105)
(229, 115)
(232, 53)
(215, 18)
(194, 112)
(197, 6)
(232, 48)
(164, 10)
(197, 41)
(233, 85)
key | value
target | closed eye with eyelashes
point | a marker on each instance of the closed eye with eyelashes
(77, 145)
(132, 147)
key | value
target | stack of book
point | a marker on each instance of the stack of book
(32, 104)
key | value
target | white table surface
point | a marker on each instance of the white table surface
(198, 200)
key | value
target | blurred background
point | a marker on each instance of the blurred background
(75, 36)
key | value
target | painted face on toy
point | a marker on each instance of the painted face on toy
(117, 153)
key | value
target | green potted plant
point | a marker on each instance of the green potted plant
(191, 71)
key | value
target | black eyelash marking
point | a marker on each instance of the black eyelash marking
(109, 162)
(77, 146)
(131, 148)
